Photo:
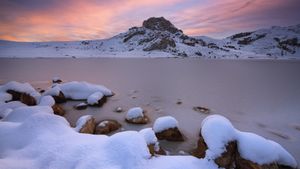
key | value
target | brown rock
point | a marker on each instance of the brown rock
(153, 152)
(199, 152)
(242, 163)
(58, 110)
(107, 126)
(60, 98)
(139, 120)
(227, 158)
(171, 134)
(161, 44)
(22, 97)
(89, 126)
(160, 24)
(201, 109)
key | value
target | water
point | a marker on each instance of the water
(257, 96)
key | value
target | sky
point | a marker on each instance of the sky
(67, 20)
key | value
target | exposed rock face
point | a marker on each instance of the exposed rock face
(60, 98)
(107, 126)
(160, 24)
(171, 134)
(227, 158)
(58, 110)
(89, 126)
(161, 44)
(139, 120)
(199, 152)
(154, 151)
(22, 97)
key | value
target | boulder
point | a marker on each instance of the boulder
(58, 110)
(136, 115)
(199, 152)
(171, 134)
(60, 98)
(22, 97)
(88, 126)
(227, 158)
(81, 106)
(107, 126)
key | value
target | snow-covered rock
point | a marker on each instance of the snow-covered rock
(81, 106)
(166, 128)
(96, 99)
(152, 142)
(224, 141)
(136, 115)
(107, 126)
(85, 124)
(46, 101)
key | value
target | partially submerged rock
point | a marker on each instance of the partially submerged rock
(56, 80)
(118, 110)
(166, 128)
(201, 109)
(58, 110)
(107, 126)
(152, 142)
(86, 124)
(81, 106)
(136, 115)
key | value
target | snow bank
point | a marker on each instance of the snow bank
(81, 122)
(134, 113)
(94, 98)
(78, 90)
(5, 108)
(4, 97)
(46, 101)
(22, 113)
(217, 131)
(20, 87)
(149, 135)
(164, 123)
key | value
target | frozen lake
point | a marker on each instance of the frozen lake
(257, 96)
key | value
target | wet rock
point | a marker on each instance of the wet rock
(171, 134)
(107, 126)
(60, 98)
(201, 109)
(88, 126)
(58, 110)
(81, 106)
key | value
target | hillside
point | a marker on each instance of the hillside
(158, 37)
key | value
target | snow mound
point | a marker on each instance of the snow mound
(22, 113)
(46, 101)
(164, 123)
(134, 113)
(94, 98)
(4, 107)
(78, 90)
(149, 135)
(4, 97)
(217, 131)
(81, 122)
(20, 87)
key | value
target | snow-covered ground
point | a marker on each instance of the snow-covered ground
(144, 42)
(256, 96)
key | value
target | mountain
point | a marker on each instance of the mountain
(158, 37)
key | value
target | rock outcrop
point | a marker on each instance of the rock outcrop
(107, 126)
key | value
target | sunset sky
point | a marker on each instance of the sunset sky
(64, 20)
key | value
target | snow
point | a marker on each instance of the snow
(164, 123)
(94, 98)
(6, 107)
(22, 113)
(82, 90)
(103, 123)
(134, 112)
(81, 122)
(149, 135)
(53, 91)
(46, 101)
(4, 97)
(217, 131)
(20, 87)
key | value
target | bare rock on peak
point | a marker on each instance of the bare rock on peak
(160, 24)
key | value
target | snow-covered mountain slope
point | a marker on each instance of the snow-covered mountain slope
(160, 38)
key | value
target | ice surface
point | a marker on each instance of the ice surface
(164, 123)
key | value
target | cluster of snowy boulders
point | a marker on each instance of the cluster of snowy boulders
(32, 136)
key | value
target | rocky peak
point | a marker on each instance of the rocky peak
(160, 24)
